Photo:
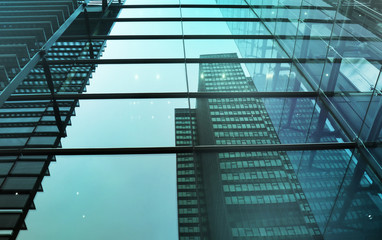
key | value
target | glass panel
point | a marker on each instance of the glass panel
(135, 78)
(115, 194)
(149, 13)
(252, 48)
(247, 194)
(357, 213)
(371, 131)
(212, 28)
(320, 174)
(246, 120)
(147, 28)
(325, 127)
(125, 123)
(144, 49)
(267, 77)
(353, 107)
(216, 12)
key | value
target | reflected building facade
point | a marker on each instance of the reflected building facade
(351, 71)
(242, 195)
(265, 195)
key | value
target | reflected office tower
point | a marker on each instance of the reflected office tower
(33, 31)
(192, 215)
(236, 195)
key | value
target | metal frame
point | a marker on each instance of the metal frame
(6, 94)
(55, 96)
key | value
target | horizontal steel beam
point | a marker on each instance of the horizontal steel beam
(171, 60)
(178, 149)
(197, 60)
(196, 37)
(165, 95)
(213, 19)
(95, 96)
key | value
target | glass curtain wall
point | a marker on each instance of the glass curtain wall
(268, 110)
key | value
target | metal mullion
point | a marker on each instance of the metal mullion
(178, 149)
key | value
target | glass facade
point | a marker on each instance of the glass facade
(270, 109)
